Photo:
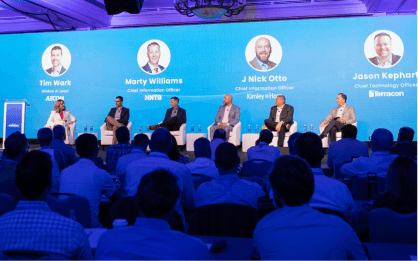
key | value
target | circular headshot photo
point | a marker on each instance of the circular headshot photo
(56, 60)
(383, 49)
(263, 53)
(154, 57)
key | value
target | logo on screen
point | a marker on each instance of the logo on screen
(384, 94)
(13, 125)
(153, 97)
(371, 94)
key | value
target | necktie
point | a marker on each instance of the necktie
(156, 70)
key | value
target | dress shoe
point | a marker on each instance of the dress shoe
(153, 127)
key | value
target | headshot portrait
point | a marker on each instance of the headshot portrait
(383, 49)
(56, 60)
(263, 53)
(154, 57)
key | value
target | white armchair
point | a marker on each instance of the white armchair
(106, 136)
(326, 141)
(293, 129)
(180, 135)
(234, 136)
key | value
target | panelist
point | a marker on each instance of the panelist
(383, 47)
(174, 117)
(337, 118)
(56, 56)
(61, 116)
(280, 119)
(226, 117)
(153, 53)
(262, 54)
(117, 117)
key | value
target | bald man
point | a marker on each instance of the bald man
(262, 54)
(226, 118)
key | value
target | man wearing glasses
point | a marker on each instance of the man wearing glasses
(117, 117)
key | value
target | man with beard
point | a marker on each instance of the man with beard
(262, 52)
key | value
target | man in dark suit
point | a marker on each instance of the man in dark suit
(404, 145)
(174, 117)
(153, 53)
(280, 119)
(383, 47)
(118, 116)
(56, 56)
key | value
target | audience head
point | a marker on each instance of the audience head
(202, 148)
(141, 142)
(45, 136)
(157, 194)
(309, 147)
(86, 146)
(349, 131)
(382, 140)
(33, 175)
(266, 136)
(15, 146)
(402, 179)
(291, 142)
(406, 134)
(174, 153)
(59, 132)
(226, 158)
(161, 141)
(219, 134)
(292, 181)
(122, 134)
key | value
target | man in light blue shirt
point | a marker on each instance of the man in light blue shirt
(262, 54)
(203, 165)
(263, 151)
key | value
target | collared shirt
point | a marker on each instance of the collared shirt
(279, 111)
(387, 64)
(263, 151)
(117, 113)
(33, 226)
(340, 111)
(124, 161)
(149, 239)
(229, 189)
(378, 163)
(203, 166)
(67, 150)
(154, 70)
(264, 66)
(7, 179)
(114, 152)
(85, 179)
(174, 112)
(342, 151)
(57, 71)
(304, 233)
(226, 114)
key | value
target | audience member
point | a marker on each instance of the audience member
(203, 165)
(379, 159)
(219, 136)
(114, 152)
(295, 230)
(140, 145)
(15, 148)
(85, 179)
(401, 194)
(404, 145)
(228, 188)
(151, 236)
(262, 151)
(174, 153)
(32, 226)
(58, 144)
(329, 193)
(343, 150)
(291, 142)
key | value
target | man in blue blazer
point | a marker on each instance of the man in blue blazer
(226, 117)
(174, 117)
(153, 53)
(118, 116)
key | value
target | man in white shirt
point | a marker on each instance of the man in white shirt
(383, 48)
(154, 54)
(56, 56)
(263, 151)
(226, 117)
(203, 165)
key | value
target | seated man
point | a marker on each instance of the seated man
(151, 236)
(329, 194)
(114, 152)
(263, 151)
(140, 144)
(280, 119)
(343, 150)
(117, 117)
(291, 142)
(218, 137)
(404, 145)
(58, 144)
(15, 148)
(86, 179)
(203, 165)
(337, 118)
(32, 226)
(228, 188)
(226, 117)
(379, 160)
(295, 230)
(174, 117)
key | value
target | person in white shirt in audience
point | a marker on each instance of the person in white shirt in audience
(330, 194)
(297, 231)
(291, 142)
(379, 159)
(219, 136)
(203, 165)
(151, 236)
(263, 151)
(228, 188)
(86, 179)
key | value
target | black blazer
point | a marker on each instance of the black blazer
(404, 148)
(286, 116)
(124, 115)
(181, 114)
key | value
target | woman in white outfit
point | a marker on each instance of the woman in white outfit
(61, 116)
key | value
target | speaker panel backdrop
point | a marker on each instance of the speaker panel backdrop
(311, 62)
